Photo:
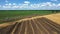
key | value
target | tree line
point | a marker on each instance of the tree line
(55, 11)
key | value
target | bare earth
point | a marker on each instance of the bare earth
(54, 17)
(48, 24)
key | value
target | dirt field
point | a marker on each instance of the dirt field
(48, 24)
(54, 17)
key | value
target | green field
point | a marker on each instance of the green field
(15, 13)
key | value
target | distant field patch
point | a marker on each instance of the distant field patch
(12, 14)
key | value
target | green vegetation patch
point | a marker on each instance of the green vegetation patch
(16, 13)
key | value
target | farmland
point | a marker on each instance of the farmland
(36, 25)
(5, 14)
(12, 14)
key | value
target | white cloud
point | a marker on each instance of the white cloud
(26, 2)
(14, 4)
(58, 4)
(42, 5)
(23, 6)
(15, 7)
(35, 5)
(6, 6)
(10, 4)
(53, 4)
(46, 5)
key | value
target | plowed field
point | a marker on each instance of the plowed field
(34, 25)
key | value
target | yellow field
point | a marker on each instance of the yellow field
(54, 17)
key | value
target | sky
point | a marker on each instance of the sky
(29, 4)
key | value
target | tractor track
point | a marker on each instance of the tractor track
(33, 26)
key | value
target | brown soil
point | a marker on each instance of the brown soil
(54, 17)
(34, 25)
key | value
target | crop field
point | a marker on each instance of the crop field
(12, 14)
(34, 25)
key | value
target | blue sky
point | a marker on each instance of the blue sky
(29, 4)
